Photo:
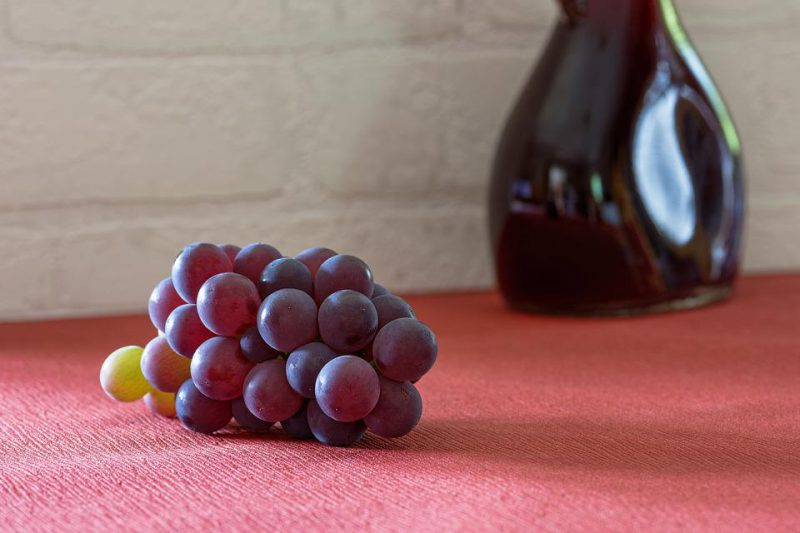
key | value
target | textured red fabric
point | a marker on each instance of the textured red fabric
(682, 421)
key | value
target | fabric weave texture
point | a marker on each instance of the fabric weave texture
(684, 421)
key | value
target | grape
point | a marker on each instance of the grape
(246, 419)
(405, 349)
(329, 431)
(342, 272)
(304, 364)
(398, 410)
(285, 273)
(347, 388)
(297, 425)
(379, 290)
(391, 307)
(254, 348)
(198, 412)
(162, 367)
(163, 300)
(219, 368)
(194, 265)
(185, 331)
(252, 260)
(230, 250)
(288, 319)
(121, 375)
(312, 258)
(160, 403)
(228, 303)
(268, 394)
(347, 321)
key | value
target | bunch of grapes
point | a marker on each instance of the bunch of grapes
(310, 342)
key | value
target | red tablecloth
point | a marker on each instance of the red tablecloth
(673, 422)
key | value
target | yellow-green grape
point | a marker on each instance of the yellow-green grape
(161, 403)
(121, 375)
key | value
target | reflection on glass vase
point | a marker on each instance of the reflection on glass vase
(617, 185)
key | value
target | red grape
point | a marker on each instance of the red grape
(391, 307)
(285, 273)
(162, 367)
(268, 394)
(297, 425)
(194, 265)
(163, 300)
(398, 410)
(254, 348)
(228, 303)
(219, 368)
(230, 250)
(304, 364)
(288, 319)
(329, 431)
(246, 419)
(252, 260)
(405, 349)
(342, 272)
(347, 321)
(347, 388)
(185, 331)
(198, 412)
(312, 258)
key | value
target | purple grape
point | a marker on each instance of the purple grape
(304, 364)
(405, 349)
(398, 410)
(285, 273)
(297, 425)
(185, 331)
(329, 431)
(342, 272)
(162, 367)
(288, 319)
(163, 300)
(198, 412)
(379, 290)
(254, 348)
(194, 265)
(228, 304)
(246, 419)
(347, 321)
(312, 258)
(347, 388)
(391, 307)
(268, 394)
(253, 259)
(230, 250)
(219, 368)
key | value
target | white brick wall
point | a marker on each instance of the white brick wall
(131, 127)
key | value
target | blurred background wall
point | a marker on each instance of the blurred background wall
(131, 127)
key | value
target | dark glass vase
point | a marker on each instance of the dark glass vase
(617, 185)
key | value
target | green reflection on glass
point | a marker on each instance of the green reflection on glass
(596, 185)
(685, 48)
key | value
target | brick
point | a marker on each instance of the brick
(370, 124)
(246, 26)
(160, 131)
